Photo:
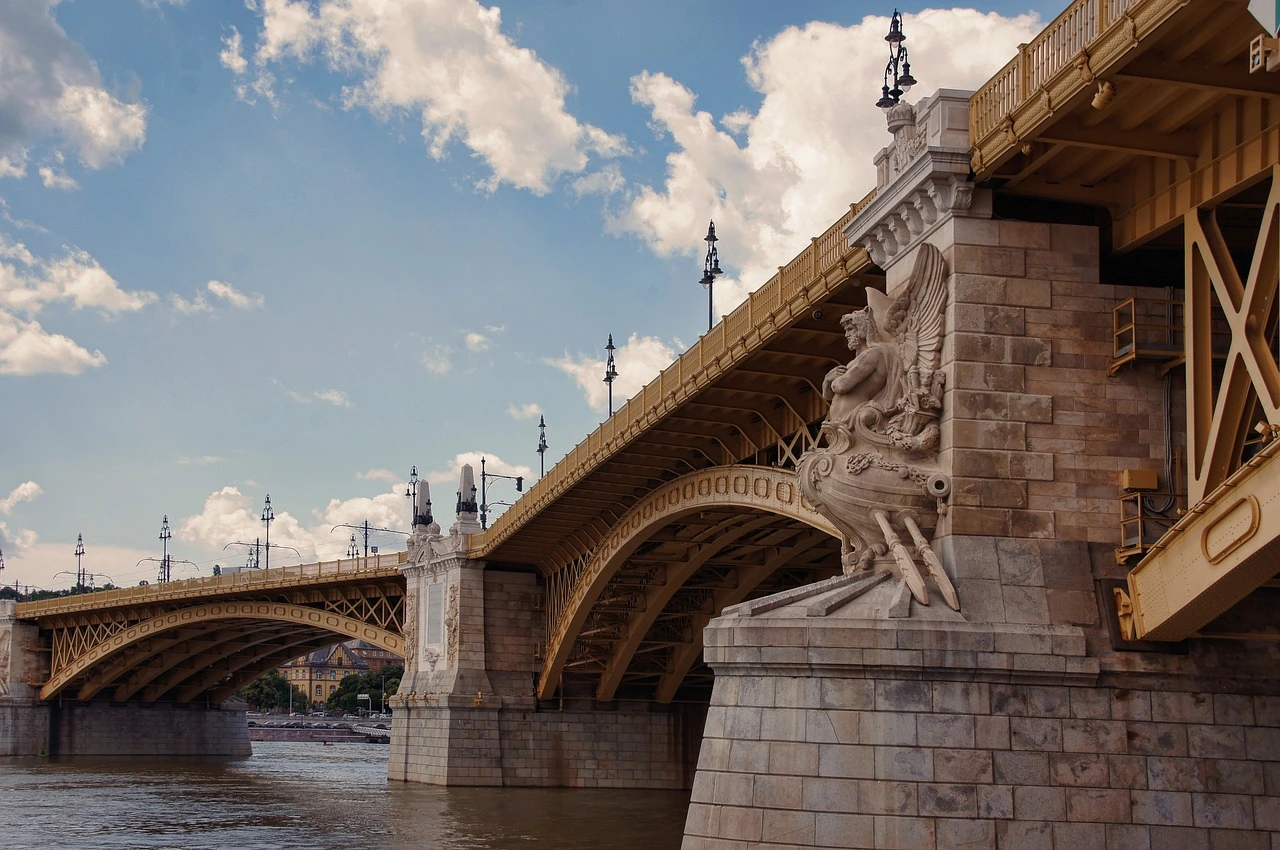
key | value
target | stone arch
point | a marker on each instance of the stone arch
(347, 628)
(753, 488)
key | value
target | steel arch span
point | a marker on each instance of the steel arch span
(208, 643)
(733, 525)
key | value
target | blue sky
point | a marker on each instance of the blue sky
(294, 248)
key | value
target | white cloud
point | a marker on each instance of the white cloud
(638, 361)
(808, 148)
(337, 398)
(232, 54)
(229, 515)
(28, 349)
(604, 181)
(224, 292)
(522, 412)
(14, 164)
(477, 341)
(28, 283)
(199, 460)
(54, 179)
(27, 491)
(438, 361)
(379, 475)
(493, 464)
(51, 92)
(446, 62)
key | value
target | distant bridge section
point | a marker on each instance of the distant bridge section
(200, 640)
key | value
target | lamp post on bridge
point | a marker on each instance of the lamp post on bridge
(897, 73)
(79, 564)
(610, 371)
(542, 449)
(267, 516)
(353, 551)
(710, 271)
(365, 528)
(484, 476)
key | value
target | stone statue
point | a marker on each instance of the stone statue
(876, 474)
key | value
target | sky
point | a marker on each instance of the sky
(294, 248)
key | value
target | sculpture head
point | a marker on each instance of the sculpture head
(859, 327)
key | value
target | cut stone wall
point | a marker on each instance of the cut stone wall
(134, 729)
(498, 734)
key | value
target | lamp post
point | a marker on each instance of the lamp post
(610, 371)
(353, 551)
(484, 476)
(365, 528)
(166, 568)
(267, 516)
(542, 451)
(710, 271)
(897, 73)
(79, 565)
(421, 513)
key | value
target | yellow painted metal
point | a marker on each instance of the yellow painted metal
(342, 627)
(1064, 61)
(1224, 548)
(1217, 406)
(794, 291)
(1228, 544)
(748, 487)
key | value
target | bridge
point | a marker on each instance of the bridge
(1107, 213)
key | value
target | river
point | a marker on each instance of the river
(310, 796)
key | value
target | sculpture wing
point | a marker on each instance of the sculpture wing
(921, 312)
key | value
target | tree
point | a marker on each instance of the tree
(271, 690)
(379, 684)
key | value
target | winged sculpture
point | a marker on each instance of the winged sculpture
(875, 472)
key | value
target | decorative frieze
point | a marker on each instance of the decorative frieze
(922, 177)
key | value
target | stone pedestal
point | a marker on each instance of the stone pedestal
(466, 712)
(846, 730)
(857, 721)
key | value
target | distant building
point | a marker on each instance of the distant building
(319, 673)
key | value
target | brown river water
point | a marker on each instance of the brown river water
(307, 795)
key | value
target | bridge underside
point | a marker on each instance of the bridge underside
(199, 641)
(642, 639)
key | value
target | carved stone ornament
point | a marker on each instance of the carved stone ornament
(876, 473)
(430, 657)
(451, 622)
(410, 629)
(5, 635)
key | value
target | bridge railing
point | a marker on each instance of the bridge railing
(692, 370)
(1027, 76)
(215, 585)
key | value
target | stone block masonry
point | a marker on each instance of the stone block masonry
(970, 736)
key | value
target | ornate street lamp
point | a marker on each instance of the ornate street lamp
(268, 516)
(897, 73)
(421, 513)
(353, 550)
(710, 271)
(80, 577)
(542, 452)
(610, 371)
(166, 567)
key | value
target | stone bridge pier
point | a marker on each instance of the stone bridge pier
(467, 711)
(24, 720)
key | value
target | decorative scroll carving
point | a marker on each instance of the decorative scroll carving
(5, 636)
(451, 623)
(877, 478)
(410, 629)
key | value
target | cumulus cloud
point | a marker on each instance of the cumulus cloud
(26, 348)
(492, 463)
(638, 361)
(477, 341)
(522, 412)
(230, 515)
(806, 153)
(379, 475)
(438, 361)
(51, 93)
(445, 62)
(28, 284)
(223, 294)
(54, 179)
(337, 398)
(27, 491)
